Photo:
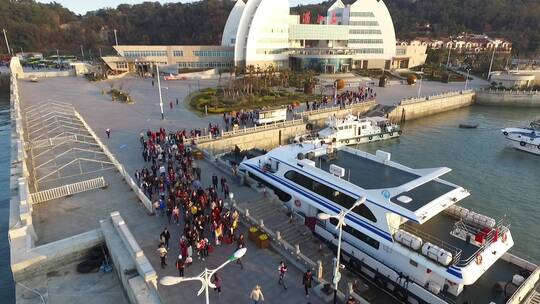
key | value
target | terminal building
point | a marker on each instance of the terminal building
(264, 32)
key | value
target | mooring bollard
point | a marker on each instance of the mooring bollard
(297, 249)
(319, 269)
(247, 212)
(278, 235)
(262, 223)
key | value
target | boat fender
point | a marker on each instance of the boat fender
(379, 281)
(522, 143)
(539, 147)
(399, 132)
(297, 203)
(400, 293)
(347, 141)
(358, 140)
(370, 137)
(381, 135)
(505, 133)
(391, 133)
(478, 259)
(504, 237)
(309, 126)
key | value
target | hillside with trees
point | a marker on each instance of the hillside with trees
(47, 27)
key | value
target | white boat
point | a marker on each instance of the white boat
(409, 236)
(526, 138)
(352, 130)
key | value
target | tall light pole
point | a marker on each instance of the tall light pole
(341, 222)
(204, 277)
(467, 78)
(82, 52)
(421, 73)
(115, 37)
(7, 43)
(448, 60)
(57, 57)
(491, 62)
(159, 89)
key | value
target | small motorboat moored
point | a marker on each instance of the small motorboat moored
(468, 125)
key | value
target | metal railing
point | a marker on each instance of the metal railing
(491, 237)
(242, 131)
(333, 108)
(412, 100)
(66, 190)
(509, 92)
(456, 252)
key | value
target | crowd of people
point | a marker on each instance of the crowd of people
(172, 181)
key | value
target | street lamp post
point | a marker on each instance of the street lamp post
(115, 37)
(491, 63)
(341, 222)
(7, 43)
(421, 80)
(204, 277)
(467, 78)
(448, 60)
(159, 89)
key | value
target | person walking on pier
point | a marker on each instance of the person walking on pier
(257, 295)
(180, 265)
(162, 255)
(164, 237)
(240, 243)
(282, 270)
(108, 131)
(307, 281)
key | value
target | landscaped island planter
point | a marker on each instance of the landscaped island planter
(253, 234)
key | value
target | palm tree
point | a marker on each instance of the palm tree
(250, 71)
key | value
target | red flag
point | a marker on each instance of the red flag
(320, 19)
(334, 18)
(306, 18)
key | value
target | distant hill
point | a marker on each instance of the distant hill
(47, 27)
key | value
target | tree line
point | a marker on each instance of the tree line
(43, 27)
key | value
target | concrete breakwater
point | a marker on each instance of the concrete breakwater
(31, 260)
(410, 109)
(508, 98)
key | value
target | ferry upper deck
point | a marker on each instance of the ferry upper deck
(415, 194)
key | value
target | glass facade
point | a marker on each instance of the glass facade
(178, 53)
(370, 51)
(135, 54)
(362, 14)
(366, 41)
(205, 64)
(365, 32)
(364, 23)
(213, 53)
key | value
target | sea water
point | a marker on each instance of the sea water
(502, 181)
(7, 291)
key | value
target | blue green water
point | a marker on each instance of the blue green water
(502, 181)
(7, 291)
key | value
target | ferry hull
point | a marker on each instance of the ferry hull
(365, 139)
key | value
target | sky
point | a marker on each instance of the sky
(82, 6)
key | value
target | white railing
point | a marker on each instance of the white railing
(412, 100)
(241, 131)
(142, 197)
(333, 108)
(66, 190)
(510, 92)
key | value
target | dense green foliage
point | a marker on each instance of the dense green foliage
(47, 27)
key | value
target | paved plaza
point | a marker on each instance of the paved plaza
(62, 218)
(81, 212)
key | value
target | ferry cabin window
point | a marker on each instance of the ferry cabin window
(331, 194)
(283, 196)
(357, 234)
(413, 262)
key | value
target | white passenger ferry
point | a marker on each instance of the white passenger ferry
(352, 130)
(525, 139)
(409, 236)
